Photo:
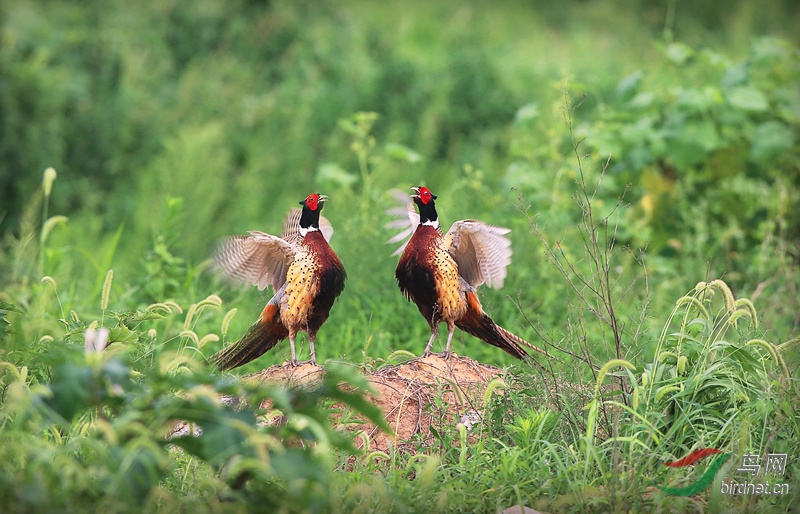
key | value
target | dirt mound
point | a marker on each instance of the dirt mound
(303, 374)
(415, 395)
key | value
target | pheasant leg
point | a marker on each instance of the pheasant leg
(292, 362)
(434, 333)
(311, 348)
(451, 327)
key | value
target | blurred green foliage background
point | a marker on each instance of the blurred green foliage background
(635, 148)
(174, 123)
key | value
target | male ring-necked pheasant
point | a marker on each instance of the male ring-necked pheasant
(306, 277)
(440, 273)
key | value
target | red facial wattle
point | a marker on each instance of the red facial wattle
(312, 202)
(425, 195)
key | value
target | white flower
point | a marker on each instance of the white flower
(470, 419)
(96, 340)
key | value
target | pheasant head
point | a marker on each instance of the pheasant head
(427, 208)
(309, 219)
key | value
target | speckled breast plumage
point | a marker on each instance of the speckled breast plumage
(450, 299)
(302, 287)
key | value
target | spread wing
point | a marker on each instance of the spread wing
(258, 259)
(291, 227)
(481, 251)
(407, 219)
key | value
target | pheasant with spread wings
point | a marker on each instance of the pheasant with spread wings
(440, 272)
(305, 274)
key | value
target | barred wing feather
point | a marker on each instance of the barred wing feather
(481, 251)
(407, 220)
(258, 259)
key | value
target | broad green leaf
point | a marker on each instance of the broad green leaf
(642, 100)
(122, 334)
(5, 308)
(698, 100)
(333, 173)
(747, 98)
(679, 53)
(629, 85)
(74, 388)
(10, 307)
(694, 141)
(402, 153)
(770, 140)
(526, 113)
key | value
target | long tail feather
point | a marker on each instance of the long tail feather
(521, 341)
(477, 323)
(485, 329)
(261, 337)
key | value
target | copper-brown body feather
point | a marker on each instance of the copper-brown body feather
(428, 276)
(313, 281)
(305, 273)
(440, 273)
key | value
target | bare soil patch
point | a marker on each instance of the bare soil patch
(415, 395)
(429, 392)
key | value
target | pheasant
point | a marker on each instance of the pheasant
(440, 273)
(305, 274)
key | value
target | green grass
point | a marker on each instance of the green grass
(650, 182)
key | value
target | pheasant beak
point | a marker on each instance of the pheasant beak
(416, 189)
(323, 198)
